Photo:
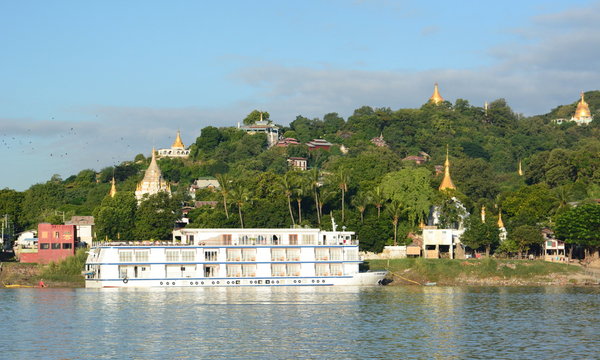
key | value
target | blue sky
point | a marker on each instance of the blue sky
(92, 84)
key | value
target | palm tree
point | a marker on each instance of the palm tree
(313, 178)
(361, 201)
(224, 188)
(395, 209)
(340, 180)
(378, 198)
(240, 194)
(300, 190)
(286, 187)
(325, 196)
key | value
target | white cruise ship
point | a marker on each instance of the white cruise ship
(232, 257)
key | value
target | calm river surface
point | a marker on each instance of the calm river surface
(309, 323)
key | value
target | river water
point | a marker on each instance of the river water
(301, 322)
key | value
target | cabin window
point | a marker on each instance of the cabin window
(45, 246)
(249, 255)
(336, 269)
(248, 270)
(172, 255)
(142, 255)
(278, 270)
(211, 270)
(293, 269)
(277, 254)
(234, 270)
(190, 239)
(335, 254)
(210, 255)
(227, 239)
(244, 240)
(293, 239)
(188, 255)
(67, 246)
(234, 254)
(322, 270)
(55, 246)
(260, 239)
(125, 255)
(322, 254)
(308, 239)
(352, 254)
(293, 254)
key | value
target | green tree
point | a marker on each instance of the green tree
(360, 201)
(301, 188)
(240, 195)
(395, 210)
(156, 216)
(378, 198)
(115, 217)
(224, 189)
(480, 234)
(255, 116)
(580, 226)
(524, 237)
(340, 180)
(411, 187)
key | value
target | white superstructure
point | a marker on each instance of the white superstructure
(232, 257)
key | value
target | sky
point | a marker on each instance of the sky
(86, 85)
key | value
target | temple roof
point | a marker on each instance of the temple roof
(178, 143)
(436, 98)
(447, 181)
(153, 173)
(583, 110)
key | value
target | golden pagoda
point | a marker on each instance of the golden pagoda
(113, 188)
(583, 110)
(152, 182)
(436, 98)
(482, 213)
(447, 181)
(500, 222)
(178, 144)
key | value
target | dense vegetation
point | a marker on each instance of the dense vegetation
(368, 189)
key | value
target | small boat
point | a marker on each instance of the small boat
(11, 286)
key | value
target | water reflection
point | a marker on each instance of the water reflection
(312, 322)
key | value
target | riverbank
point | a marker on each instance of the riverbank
(483, 272)
(65, 274)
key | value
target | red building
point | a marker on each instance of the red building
(55, 242)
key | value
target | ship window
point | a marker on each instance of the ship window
(278, 270)
(293, 254)
(210, 255)
(293, 269)
(234, 270)
(56, 246)
(352, 254)
(277, 254)
(322, 269)
(45, 246)
(234, 254)
(188, 255)
(321, 254)
(67, 246)
(227, 239)
(336, 269)
(125, 256)
(293, 239)
(308, 239)
(335, 254)
(141, 255)
(172, 255)
(248, 270)
(249, 255)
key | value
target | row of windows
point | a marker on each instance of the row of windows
(232, 270)
(277, 254)
(56, 246)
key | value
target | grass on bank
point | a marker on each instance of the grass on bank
(67, 271)
(451, 271)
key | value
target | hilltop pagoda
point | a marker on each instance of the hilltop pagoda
(152, 183)
(436, 98)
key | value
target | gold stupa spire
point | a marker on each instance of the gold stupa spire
(583, 110)
(482, 213)
(500, 222)
(178, 144)
(436, 98)
(520, 171)
(113, 188)
(447, 181)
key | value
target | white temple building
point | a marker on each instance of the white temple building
(176, 150)
(152, 182)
